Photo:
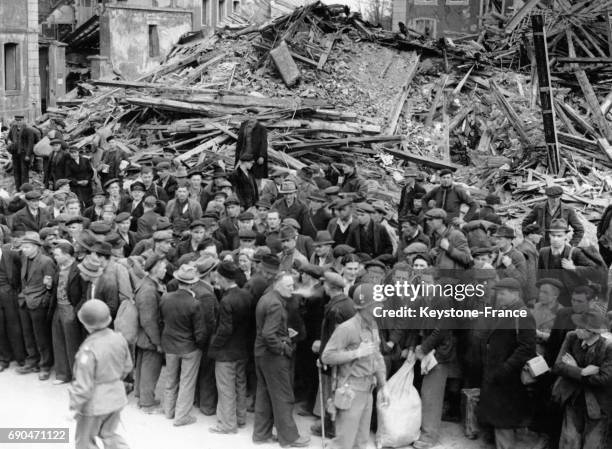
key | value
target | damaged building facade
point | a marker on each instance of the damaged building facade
(433, 17)
(19, 76)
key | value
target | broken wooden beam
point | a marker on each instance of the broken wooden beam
(520, 15)
(511, 115)
(546, 97)
(419, 159)
(589, 94)
(340, 142)
(403, 95)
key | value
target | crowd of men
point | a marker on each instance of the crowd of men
(255, 288)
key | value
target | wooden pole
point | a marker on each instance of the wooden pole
(546, 97)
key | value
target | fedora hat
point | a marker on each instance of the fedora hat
(592, 320)
(187, 274)
(288, 186)
(323, 238)
(207, 266)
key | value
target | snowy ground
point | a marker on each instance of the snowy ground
(27, 402)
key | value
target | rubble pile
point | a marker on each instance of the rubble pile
(328, 85)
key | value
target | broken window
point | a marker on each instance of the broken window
(153, 41)
(205, 4)
(221, 11)
(11, 66)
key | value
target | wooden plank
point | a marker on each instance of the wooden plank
(511, 115)
(463, 80)
(546, 97)
(201, 68)
(319, 125)
(423, 160)
(438, 97)
(581, 60)
(327, 52)
(589, 93)
(403, 95)
(520, 15)
(578, 119)
(142, 85)
(459, 117)
(578, 142)
(341, 142)
(181, 106)
(203, 147)
(253, 100)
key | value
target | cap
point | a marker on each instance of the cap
(196, 223)
(207, 266)
(163, 165)
(416, 248)
(318, 197)
(333, 279)
(260, 253)
(33, 195)
(91, 267)
(343, 250)
(246, 216)
(150, 201)
(481, 250)
(533, 228)
(123, 216)
(229, 270)
(288, 186)
(162, 235)
(436, 213)
(270, 263)
(508, 284)
(551, 281)
(247, 234)
(108, 183)
(314, 271)
(32, 238)
(505, 232)
(232, 199)
(292, 222)
(137, 185)
(558, 225)
(323, 238)
(553, 191)
(343, 203)
(364, 207)
(263, 204)
(72, 220)
(103, 248)
(100, 227)
(446, 171)
(287, 233)
(64, 245)
(152, 261)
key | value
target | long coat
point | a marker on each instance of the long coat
(24, 221)
(253, 140)
(80, 171)
(146, 297)
(506, 347)
(245, 186)
(230, 341)
(56, 168)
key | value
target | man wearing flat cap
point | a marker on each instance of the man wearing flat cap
(229, 347)
(338, 309)
(343, 224)
(290, 254)
(21, 140)
(508, 345)
(182, 210)
(449, 197)
(544, 213)
(507, 260)
(411, 195)
(350, 180)
(134, 203)
(450, 250)
(145, 225)
(165, 180)
(487, 211)
(32, 217)
(38, 280)
(569, 264)
(369, 237)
